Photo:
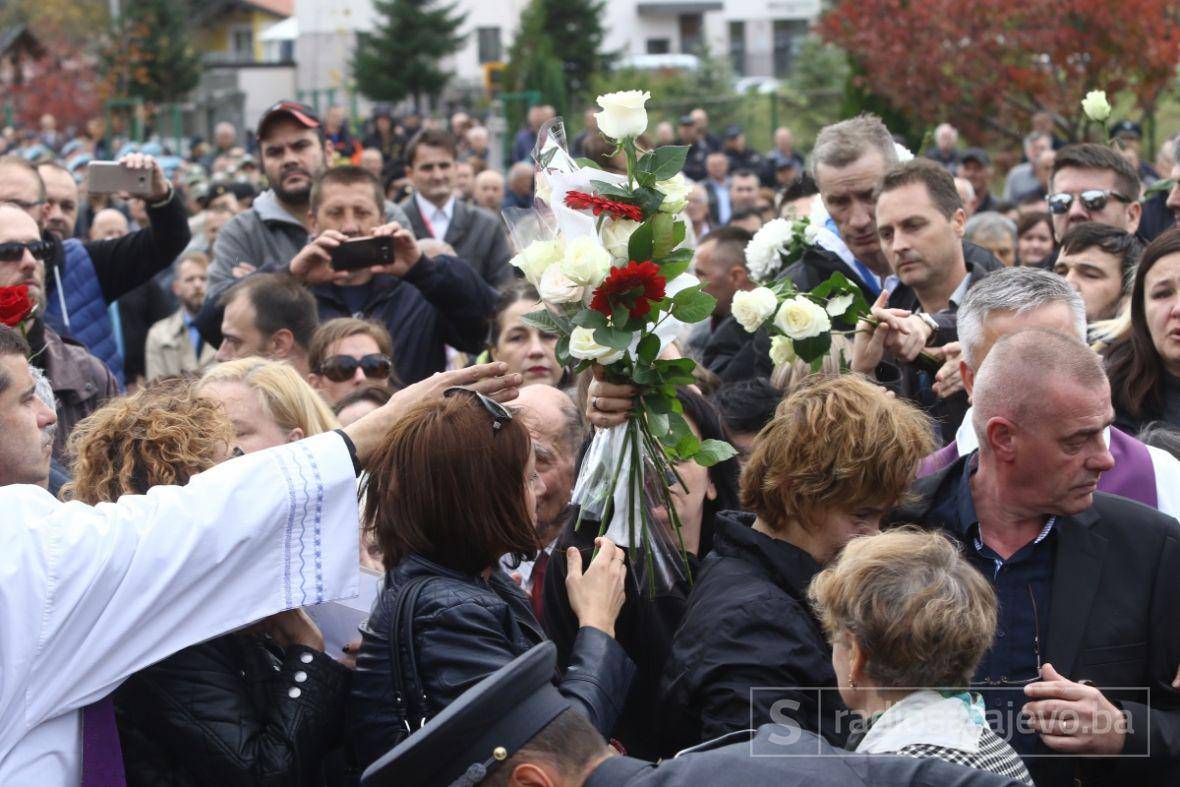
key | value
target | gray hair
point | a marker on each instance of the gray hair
(1032, 137)
(989, 224)
(1017, 290)
(840, 144)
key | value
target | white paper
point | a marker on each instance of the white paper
(340, 621)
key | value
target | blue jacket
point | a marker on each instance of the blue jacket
(84, 315)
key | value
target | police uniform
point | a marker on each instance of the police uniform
(492, 720)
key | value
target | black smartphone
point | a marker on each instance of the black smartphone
(352, 255)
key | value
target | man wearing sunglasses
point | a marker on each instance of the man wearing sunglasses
(1091, 183)
(80, 381)
(426, 303)
(83, 278)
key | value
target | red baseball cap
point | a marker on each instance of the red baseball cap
(300, 113)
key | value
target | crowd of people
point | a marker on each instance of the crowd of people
(953, 548)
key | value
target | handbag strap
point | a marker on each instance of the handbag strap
(401, 635)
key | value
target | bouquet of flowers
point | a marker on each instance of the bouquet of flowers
(606, 254)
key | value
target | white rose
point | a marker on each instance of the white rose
(782, 351)
(675, 190)
(802, 318)
(555, 287)
(623, 114)
(536, 257)
(903, 153)
(615, 235)
(811, 234)
(582, 345)
(1095, 105)
(754, 307)
(585, 261)
(839, 305)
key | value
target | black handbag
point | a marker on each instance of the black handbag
(409, 697)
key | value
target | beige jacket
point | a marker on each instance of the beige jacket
(169, 351)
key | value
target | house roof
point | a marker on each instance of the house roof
(282, 8)
(19, 35)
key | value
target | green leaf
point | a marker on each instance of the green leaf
(611, 190)
(679, 230)
(670, 270)
(648, 199)
(692, 305)
(657, 424)
(813, 349)
(639, 246)
(613, 338)
(588, 318)
(543, 321)
(562, 351)
(645, 375)
(678, 427)
(648, 349)
(585, 162)
(714, 451)
(688, 446)
(667, 161)
(657, 403)
(661, 234)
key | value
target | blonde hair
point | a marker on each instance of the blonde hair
(921, 614)
(787, 375)
(161, 434)
(285, 396)
(834, 443)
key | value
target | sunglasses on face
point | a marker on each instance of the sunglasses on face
(1093, 200)
(15, 251)
(497, 411)
(339, 368)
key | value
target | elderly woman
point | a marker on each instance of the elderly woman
(255, 707)
(909, 619)
(836, 457)
(994, 232)
(1144, 368)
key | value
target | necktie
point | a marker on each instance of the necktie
(538, 577)
(102, 756)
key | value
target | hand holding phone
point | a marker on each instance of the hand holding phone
(363, 253)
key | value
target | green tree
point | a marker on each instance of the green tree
(150, 53)
(400, 57)
(567, 34)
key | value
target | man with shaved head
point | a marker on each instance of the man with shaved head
(1086, 581)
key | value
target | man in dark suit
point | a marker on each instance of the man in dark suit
(434, 212)
(1089, 601)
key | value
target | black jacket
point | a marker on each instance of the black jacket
(236, 710)
(1113, 620)
(644, 629)
(476, 235)
(441, 301)
(748, 625)
(465, 628)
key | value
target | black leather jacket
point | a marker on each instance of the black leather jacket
(465, 628)
(236, 710)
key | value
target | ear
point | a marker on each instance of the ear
(968, 375)
(1134, 213)
(856, 662)
(711, 492)
(315, 381)
(959, 221)
(282, 342)
(739, 277)
(1001, 437)
(528, 774)
(294, 435)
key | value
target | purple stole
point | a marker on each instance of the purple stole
(102, 756)
(1132, 477)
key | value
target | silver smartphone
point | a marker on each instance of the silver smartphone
(110, 177)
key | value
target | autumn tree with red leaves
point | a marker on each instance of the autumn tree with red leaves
(989, 65)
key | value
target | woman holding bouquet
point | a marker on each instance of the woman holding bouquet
(454, 488)
(836, 457)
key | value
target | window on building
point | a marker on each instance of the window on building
(788, 39)
(242, 42)
(490, 49)
(692, 40)
(737, 47)
(658, 46)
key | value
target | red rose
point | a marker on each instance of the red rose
(633, 287)
(15, 305)
(580, 200)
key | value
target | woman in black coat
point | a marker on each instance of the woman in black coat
(455, 488)
(835, 458)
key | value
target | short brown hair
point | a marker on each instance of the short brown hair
(161, 434)
(418, 496)
(920, 613)
(346, 175)
(835, 443)
(341, 328)
(938, 182)
(431, 138)
(1088, 155)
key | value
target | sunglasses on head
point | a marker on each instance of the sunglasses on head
(339, 368)
(1092, 200)
(497, 411)
(15, 251)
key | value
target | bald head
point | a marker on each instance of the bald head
(550, 409)
(1022, 374)
(108, 224)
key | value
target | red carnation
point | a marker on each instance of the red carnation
(634, 288)
(580, 200)
(15, 305)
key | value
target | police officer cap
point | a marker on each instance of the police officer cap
(1126, 128)
(485, 726)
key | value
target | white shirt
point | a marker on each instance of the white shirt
(525, 569)
(1166, 466)
(438, 220)
(90, 595)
